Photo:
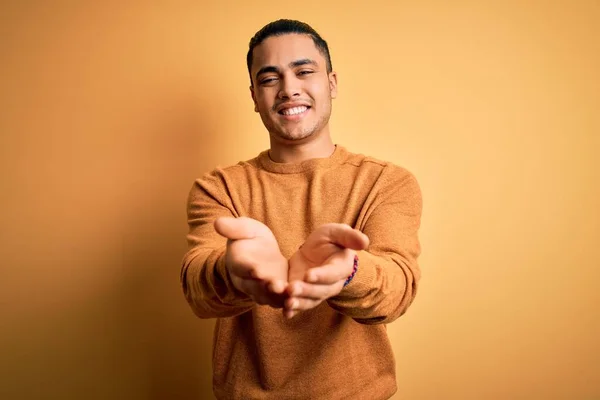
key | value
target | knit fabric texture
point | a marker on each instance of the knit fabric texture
(339, 349)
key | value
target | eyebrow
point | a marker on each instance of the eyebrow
(294, 64)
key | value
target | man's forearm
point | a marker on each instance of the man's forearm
(381, 290)
(208, 287)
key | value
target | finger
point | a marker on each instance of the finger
(277, 286)
(301, 304)
(299, 289)
(250, 287)
(255, 289)
(338, 267)
(237, 228)
(258, 291)
(328, 274)
(345, 236)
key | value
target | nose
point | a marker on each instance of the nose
(290, 87)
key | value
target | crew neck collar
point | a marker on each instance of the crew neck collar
(337, 157)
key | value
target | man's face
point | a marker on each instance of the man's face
(291, 88)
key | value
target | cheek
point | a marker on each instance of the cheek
(261, 106)
(264, 103)
(319, 91)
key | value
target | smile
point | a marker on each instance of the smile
(294, 111)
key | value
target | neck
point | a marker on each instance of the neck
(320, 147)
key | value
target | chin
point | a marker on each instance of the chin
(295, 136)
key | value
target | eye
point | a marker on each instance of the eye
(305, 72)
(268, 81)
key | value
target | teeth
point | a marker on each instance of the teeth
(295, 110)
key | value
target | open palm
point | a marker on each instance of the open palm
(321, 245)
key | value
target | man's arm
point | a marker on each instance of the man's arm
(206, 282)
(386, 281)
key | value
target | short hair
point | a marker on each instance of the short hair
(284, 27)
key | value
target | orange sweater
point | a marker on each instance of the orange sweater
(340, 349)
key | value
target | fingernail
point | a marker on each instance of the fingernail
(294, 304)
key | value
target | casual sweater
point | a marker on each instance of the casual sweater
(339, 349)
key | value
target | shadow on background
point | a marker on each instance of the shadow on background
(176, 344)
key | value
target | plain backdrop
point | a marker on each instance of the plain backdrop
(110, 110)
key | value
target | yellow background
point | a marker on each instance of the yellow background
(110, 110)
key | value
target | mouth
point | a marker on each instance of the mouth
(294, 112)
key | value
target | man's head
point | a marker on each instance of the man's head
(292, 81)
(286, 27)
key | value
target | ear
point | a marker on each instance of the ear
(253, 99)
(333, 84)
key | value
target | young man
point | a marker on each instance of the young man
(306, 251)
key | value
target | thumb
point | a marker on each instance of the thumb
(343, 235)
(237, 228)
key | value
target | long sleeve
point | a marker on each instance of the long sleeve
(257, 352)
(204, 277)
(388, 274)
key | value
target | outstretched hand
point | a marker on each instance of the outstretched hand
(254, 260)
(318, 269)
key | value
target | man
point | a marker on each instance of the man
(306, 251)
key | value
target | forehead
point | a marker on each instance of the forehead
(281, 50)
